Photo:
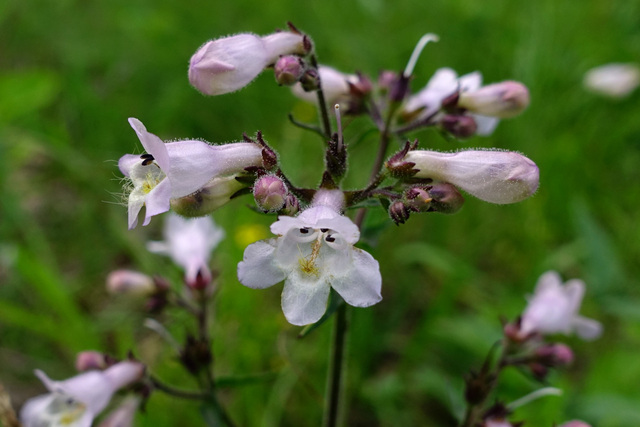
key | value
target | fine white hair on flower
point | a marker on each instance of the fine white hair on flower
(613, 80)
(491, 175)
(172, 170)
(75, 402)
(312, 253)
(189, 242)
(553, 308)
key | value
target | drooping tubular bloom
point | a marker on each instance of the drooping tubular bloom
(177, 169)
(494, 176)
(553, 308)
(230, 63)
(312, 253)
(189, 242)
(76, 401)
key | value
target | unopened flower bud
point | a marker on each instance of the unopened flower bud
(130, 282)
(493, 176)
(90, 360)
(289, 70)
(418, 199)
(398, 212)
(214, 194)
(386, 79)
(502, 100)
(230, 63)
(538, 370)
(459, 126)
(445, 198)
(556, 354)
(309, 82)
(270, 193)
(291, 205)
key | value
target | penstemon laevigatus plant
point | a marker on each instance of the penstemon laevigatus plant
(313, 249)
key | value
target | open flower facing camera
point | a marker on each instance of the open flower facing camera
(313, 253)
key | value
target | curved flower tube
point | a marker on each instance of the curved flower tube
(77, 401)
(177, 169)
(312, 253)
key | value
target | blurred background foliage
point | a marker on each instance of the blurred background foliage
(72, 71)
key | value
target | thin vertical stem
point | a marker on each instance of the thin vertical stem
(337, 367)
(322, 104)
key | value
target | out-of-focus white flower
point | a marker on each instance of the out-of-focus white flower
(90, 360)
(189, 242)
(230, 63)
(613, 80)
(443, 83)
(496, 422)
(124, 414)
(553, 308)
(335, 86)
(130, 282)
(77, 401)
(493, 176)
(312, 253)
(177, 169)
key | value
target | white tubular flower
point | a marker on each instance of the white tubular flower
(443, 83)
(613, 80)
(335, 86)
(77, 401)
(230, 63)
(177, 169)
(312, 253)
(494, 176)
(189, 242)
(553, 308)
(130, 282)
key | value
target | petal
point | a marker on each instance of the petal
(157, 201)
(343, 226)
(123, 374)
(32, 408)
(257, 270)
(127, 163)
(470, 82)
(135, 204)
(574, 292)
(304, 299)
(284, 224)
(362, 285)
(151, 143)
(91, 388)
(587, 329)
(549, 280)
(195, 163)
(485, 125)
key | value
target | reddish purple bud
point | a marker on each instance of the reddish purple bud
(289, 70)
(270, 193)
(90, 360)
(554, 355)
(459, 126)
(398, 212)
(386, 79)
(418, 199)
(445, 198)
(291, 205)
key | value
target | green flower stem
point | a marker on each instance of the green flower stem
(337, 367)
(322, 104)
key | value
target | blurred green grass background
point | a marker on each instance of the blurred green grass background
(72, 71)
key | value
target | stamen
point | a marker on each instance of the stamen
(304, 230)
(324, 230)
(146, 156)
(330, 239)
(147, 162)
(430, 37)
(339, 122)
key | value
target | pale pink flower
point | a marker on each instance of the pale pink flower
(312, 253)
(189, 242)
(176, 169)
(553, 308)
(76, 401)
